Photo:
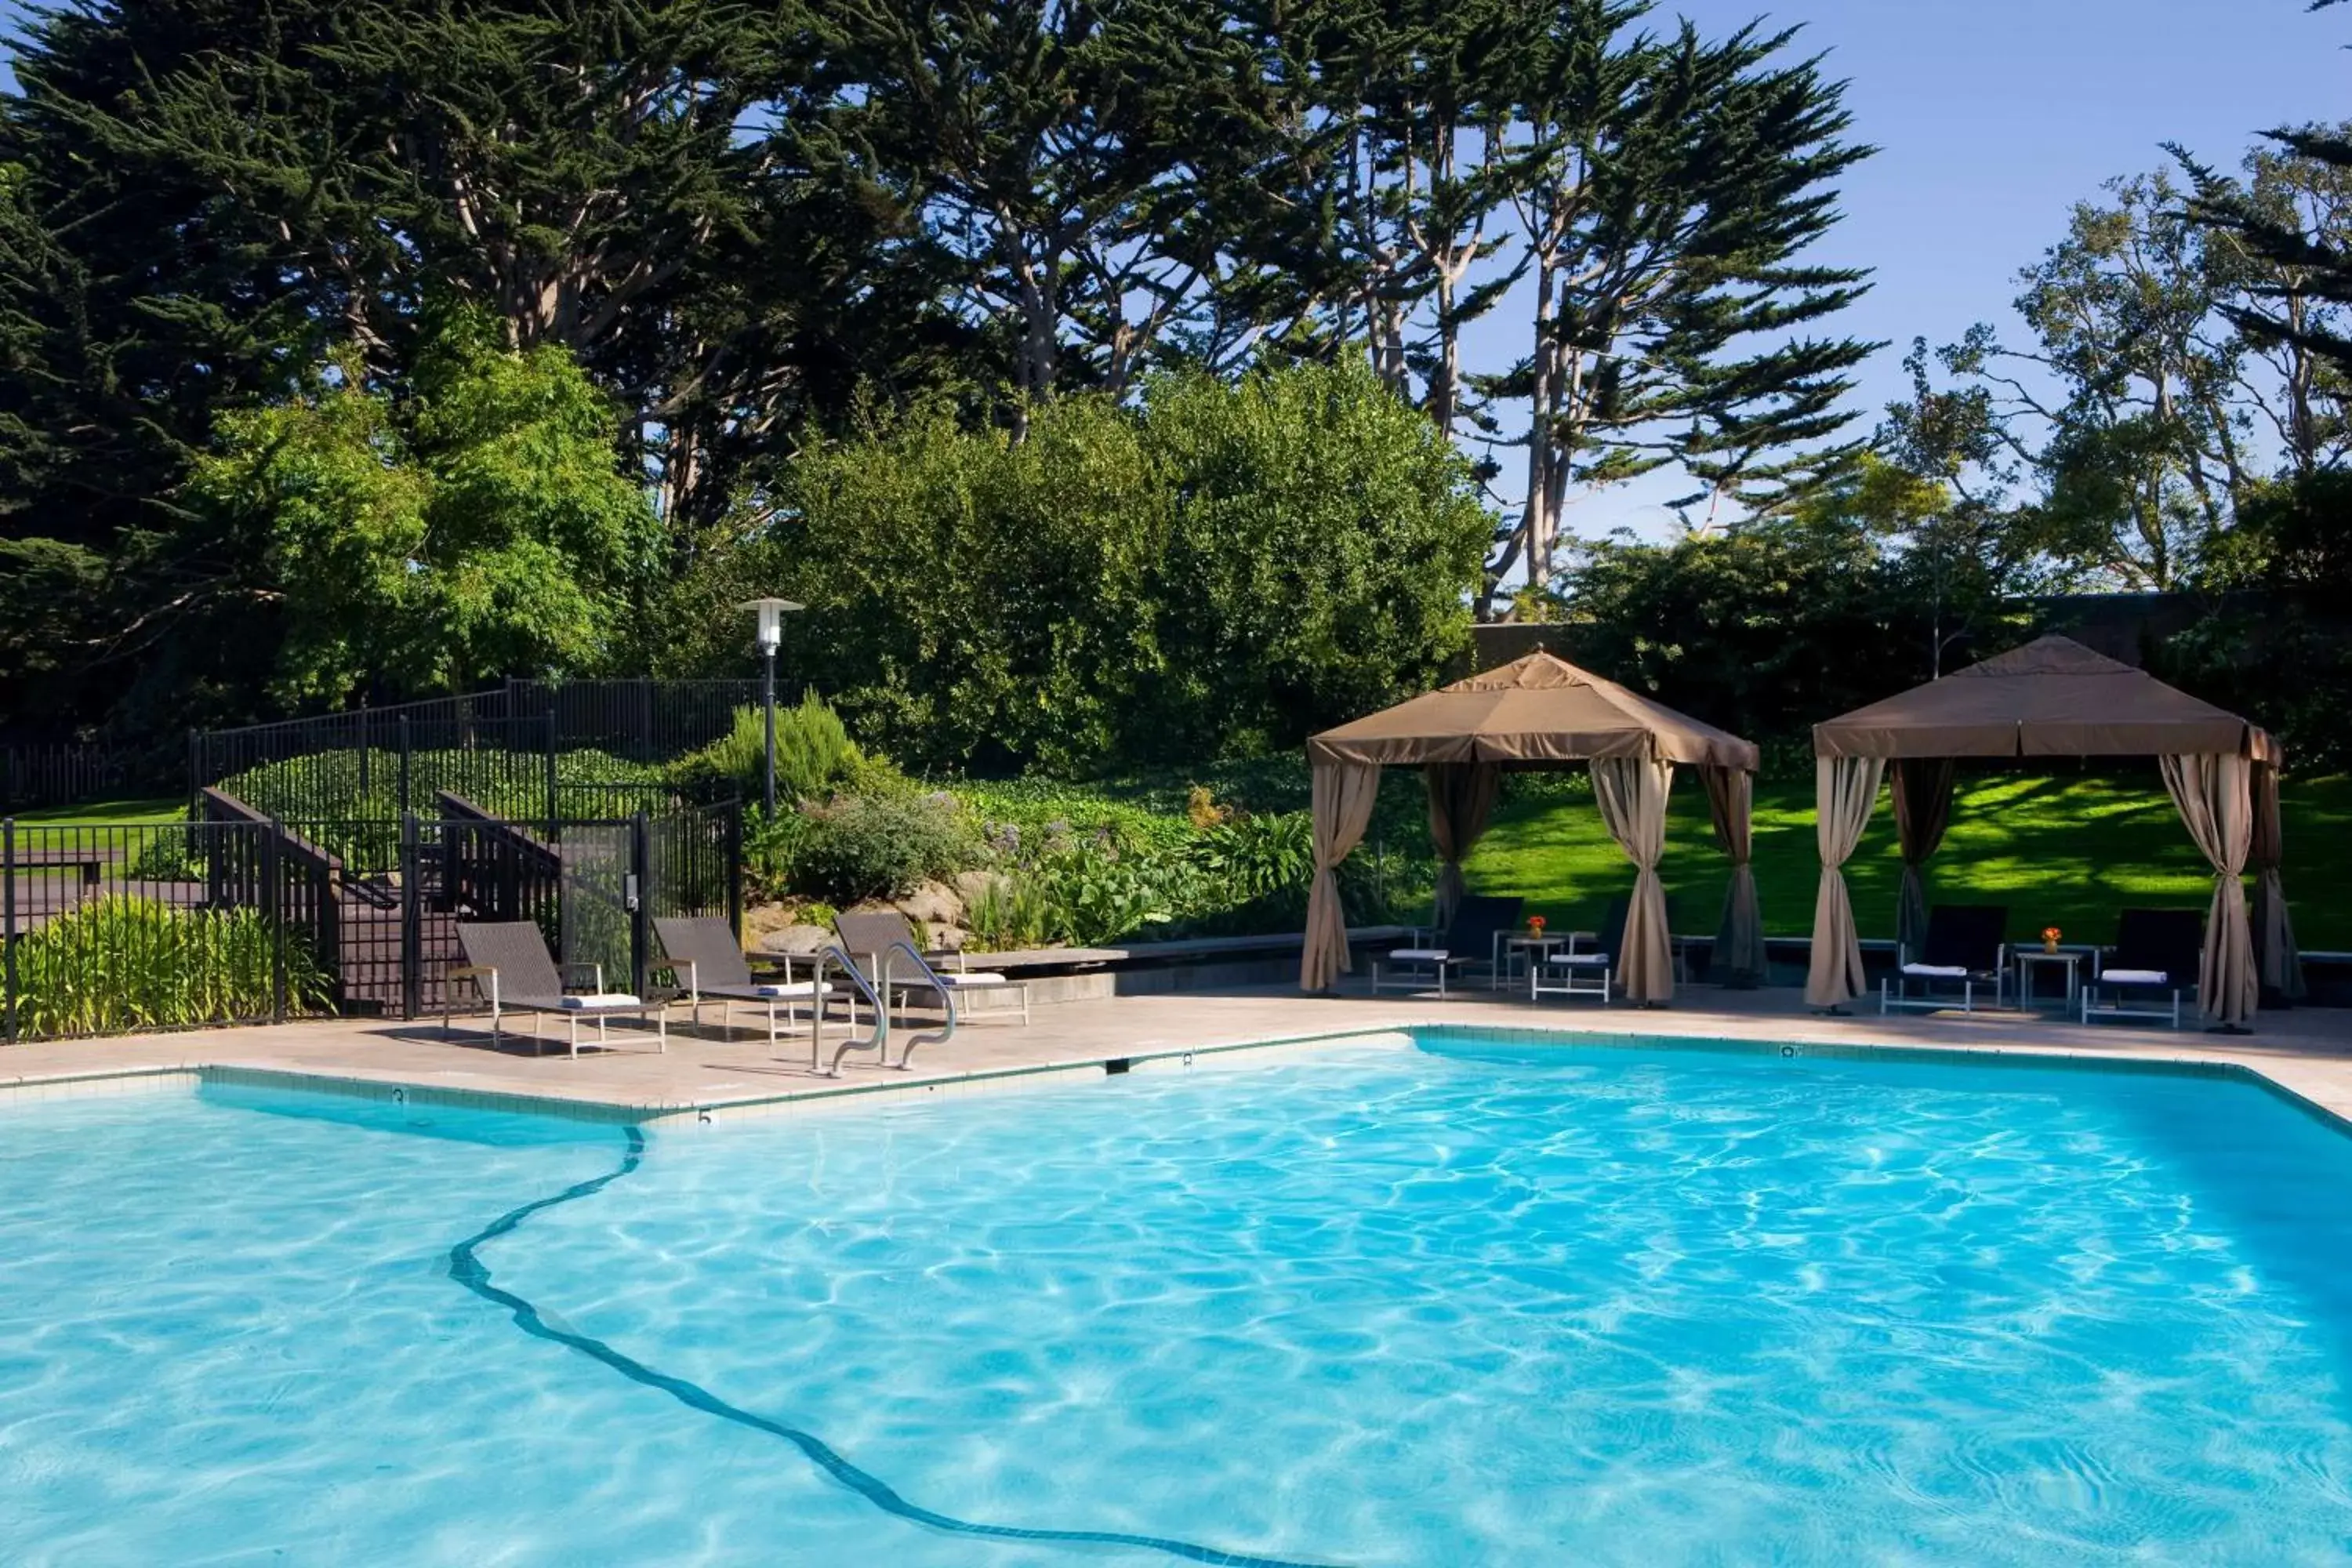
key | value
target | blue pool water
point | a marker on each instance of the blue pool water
(1469, 1303)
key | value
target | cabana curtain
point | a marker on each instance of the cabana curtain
(1460, 799)
(1923, 809)
(2216, 798)
(1844, 791)
(1343, 796)
(1631, 793)
(1739, 958)
(2276, 958)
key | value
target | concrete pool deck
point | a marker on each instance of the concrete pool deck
(2306, 1051)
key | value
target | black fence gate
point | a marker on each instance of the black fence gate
(239, 918)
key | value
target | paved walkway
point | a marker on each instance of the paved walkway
(2308, 1050)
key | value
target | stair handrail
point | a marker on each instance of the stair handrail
(931, 978)
(878, 1040)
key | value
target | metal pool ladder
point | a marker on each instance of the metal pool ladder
(931, 978)
(878, 1040)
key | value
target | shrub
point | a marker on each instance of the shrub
(1256, 857)
(815, 755)
(123, 962)
(881, 846)
(1091, 896)
(168, 854)
(1010, 912)
(770, 847)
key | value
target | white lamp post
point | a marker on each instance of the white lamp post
(770, 633)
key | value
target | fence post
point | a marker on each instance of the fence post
(412, 921)
(735, 868)
(8, 916)
(640, 888)
(273, 911)
(554, 810)
(197, 780)
(401, 804)
(365, 771)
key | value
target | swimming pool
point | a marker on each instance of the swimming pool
(1469, 1301)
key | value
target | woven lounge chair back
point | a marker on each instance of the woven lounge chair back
(2172, 941)
(518, 952)
(872, 932)
(1965, 936)
(1478, 920)
(1612, 934)
(709, 944)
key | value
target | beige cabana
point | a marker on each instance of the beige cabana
(1540, 711)
(2054, 698)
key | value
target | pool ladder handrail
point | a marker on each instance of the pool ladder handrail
(878, 1040)
(931, 978)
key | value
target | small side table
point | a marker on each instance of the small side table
(1531, 949)
(2068, 958)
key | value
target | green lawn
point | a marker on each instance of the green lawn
(2063, 850)
(164, 809)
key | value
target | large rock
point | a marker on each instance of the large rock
(759, 920)
(796, 940)
(935, 904)
(973, 886)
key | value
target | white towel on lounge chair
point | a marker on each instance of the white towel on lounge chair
(1578, 960)
(602, 999)
(1422, 955)
(972, 978)
(797, 988)
(2135, 976)
(1937, 971)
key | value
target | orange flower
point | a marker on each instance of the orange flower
(2051, 933)
(1535, 924)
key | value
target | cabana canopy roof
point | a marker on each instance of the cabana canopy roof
(2053, 698)
(1537, 710)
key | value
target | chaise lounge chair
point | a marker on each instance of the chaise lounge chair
(708, 962)
(1965, 947)
(2159, 953)
(1474, 940)
(1582, 971)
(508, 963)
(869, 937)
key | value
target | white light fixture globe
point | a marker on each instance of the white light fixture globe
(771, 620)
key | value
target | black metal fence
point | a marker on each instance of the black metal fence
(35, 776)
(525, 750)
(111, 928)
(235, 917)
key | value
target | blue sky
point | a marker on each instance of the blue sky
(1996, 116)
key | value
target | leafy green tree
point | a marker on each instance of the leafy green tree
(1762, 629)
(1668, 188)
(1320, 541)
(479, 525)
(1212, 572)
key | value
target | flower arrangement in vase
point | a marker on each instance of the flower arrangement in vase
(2050, 935)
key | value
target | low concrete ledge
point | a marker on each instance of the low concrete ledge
(1191, 949)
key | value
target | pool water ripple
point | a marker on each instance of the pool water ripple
(1476, 1303)
(466, 1268)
